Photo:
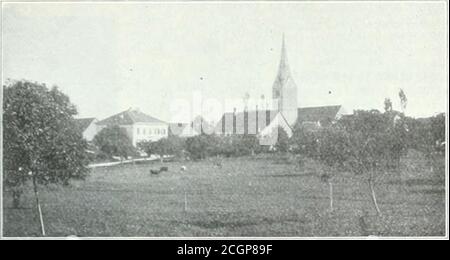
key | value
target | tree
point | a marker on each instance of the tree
(427, 135)
(201, 146)
(40, 141)
(172, 145)
(374, 139)
(146, 146)
(387, 105)
(244, 144)
(333, 149)
(327, 145)
(226, 145)
(438, 132)
(403, 100)
(305, 141)
(114, 141)
(282, 144)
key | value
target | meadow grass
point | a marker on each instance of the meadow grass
(259, 196)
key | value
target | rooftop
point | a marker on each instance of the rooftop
(129, 117)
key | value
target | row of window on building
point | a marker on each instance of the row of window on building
(148, 131)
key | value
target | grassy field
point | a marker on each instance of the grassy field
(252, 196)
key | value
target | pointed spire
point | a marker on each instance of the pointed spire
(283, 51)
(284, 89)
(283, 70)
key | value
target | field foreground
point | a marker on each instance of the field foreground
(252, 196)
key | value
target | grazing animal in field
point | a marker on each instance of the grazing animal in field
(183, 168)
(154, 171)
(164, 169)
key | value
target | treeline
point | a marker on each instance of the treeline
(203, 146)
(365, 139)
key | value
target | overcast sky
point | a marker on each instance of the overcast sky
(109, 57)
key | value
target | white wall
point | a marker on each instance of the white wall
(149, 132)
(268, 136)
(144, 131)
(90, 132)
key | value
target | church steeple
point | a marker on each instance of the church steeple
(284, 89)
(283, 69)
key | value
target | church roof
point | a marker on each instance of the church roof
(129, 117)
(323, 114)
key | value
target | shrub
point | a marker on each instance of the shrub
(202, 146)
(171, 145)
(282, 144)
(305, 142)
(114, 141)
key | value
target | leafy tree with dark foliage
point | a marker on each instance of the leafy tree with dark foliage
(239, 145)
(282, 144)
(333, 150)
(427, 135)
(376, 142)
(172, 145)
(202, 146)
(40, 141)
(305, 141)
(438, 132)
(367, 142)
(114, 141)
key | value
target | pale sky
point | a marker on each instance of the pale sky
(109, 57)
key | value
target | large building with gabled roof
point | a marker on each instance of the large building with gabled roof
(138, 125)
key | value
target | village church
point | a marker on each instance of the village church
(285, 112)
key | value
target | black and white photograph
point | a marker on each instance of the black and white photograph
(224, 120)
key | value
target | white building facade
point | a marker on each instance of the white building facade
(139, 126)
